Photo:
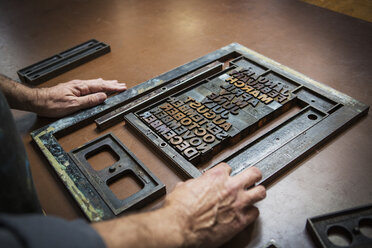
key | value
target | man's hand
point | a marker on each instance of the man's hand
(202, 212)
(72, 96)
(59, 100)
(216, 206)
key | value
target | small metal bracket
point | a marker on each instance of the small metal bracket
(127, 165)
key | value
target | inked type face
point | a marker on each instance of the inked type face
(198, 121)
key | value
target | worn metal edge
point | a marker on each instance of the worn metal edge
(93, 214)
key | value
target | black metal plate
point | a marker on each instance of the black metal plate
(347, 225)
(127, 164)
(55, 65)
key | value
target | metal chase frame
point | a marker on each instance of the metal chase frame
(196, 110)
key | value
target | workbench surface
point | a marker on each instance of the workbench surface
(148, 38)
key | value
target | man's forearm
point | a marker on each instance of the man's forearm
(159, 228)
(18, 96)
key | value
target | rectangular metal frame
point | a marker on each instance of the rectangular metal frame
(127, 164)
(342, 112)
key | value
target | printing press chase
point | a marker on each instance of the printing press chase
(192, 113)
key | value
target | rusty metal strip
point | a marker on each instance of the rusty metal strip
(75, 182)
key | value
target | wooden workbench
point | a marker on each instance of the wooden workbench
(148, 38)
